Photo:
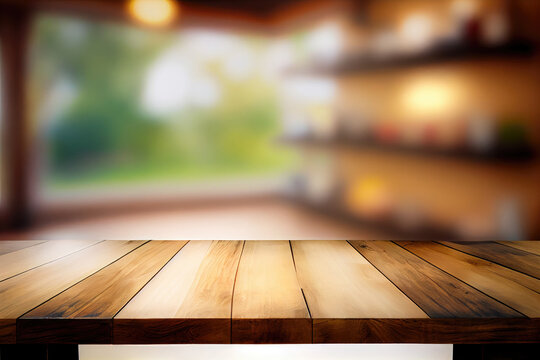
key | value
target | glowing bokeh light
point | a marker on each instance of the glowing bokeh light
(153, 12)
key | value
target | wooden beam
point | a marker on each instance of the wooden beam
(282, 17)
(14, 31)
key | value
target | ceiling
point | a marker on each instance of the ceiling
(259, 14)
(254, 7)
(259, 8)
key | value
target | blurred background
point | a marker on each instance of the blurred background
(373, 119)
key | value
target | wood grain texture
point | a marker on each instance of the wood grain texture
(172, 331)
(263, 292)
(188, 301)
(440, 295)
(426, 331)
(268, 305)
(164, 295)
(272, 331)
(23, 292)
(64, 331)
(210, 294)
(28, 258)
(339, 283)
(517, 290)
(513, 258)
(530, 246)
(94, 301)
(8, 331)
(7, 246)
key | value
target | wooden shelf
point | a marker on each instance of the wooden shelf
(137, 292)
(391, 228)
(439, 55)
(498, 156)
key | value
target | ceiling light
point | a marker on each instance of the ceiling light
(153, 12)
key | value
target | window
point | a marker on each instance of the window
(119, 107)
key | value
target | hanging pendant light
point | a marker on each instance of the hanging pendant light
(153, 12)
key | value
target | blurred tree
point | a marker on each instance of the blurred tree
(103, 132)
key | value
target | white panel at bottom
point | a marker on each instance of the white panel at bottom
(267, 352)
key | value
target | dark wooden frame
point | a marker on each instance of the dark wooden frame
(14, 32)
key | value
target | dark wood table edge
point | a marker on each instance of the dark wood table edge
(428, 330)
(272, 331)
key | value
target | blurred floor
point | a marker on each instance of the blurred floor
(271, 219)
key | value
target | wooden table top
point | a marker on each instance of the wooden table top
(140, 292)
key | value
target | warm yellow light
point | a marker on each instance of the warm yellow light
(153, 12)
(369, 197)
(430, 97)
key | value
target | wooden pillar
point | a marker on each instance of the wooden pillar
(14, 33)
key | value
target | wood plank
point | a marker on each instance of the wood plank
(268, 305)
(83, 313)
(28, 258)
(515, 259)
(7, 246)
(517, 290)
(164, 295)
(188, 301)
(339, 284)
(23, 292)
(530, 246)
(439, 294)
(220, 292)
(427, 331)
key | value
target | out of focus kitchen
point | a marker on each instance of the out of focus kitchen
(411, 119)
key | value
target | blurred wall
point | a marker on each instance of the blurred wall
(456, 191)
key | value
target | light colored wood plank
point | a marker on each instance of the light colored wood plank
(99, 295)
(514, 289)
(342, 288)
(266, 284)
(23, 292)
(339, 283)
(7, 246)
(439, 294)
(28, 258)
(210, 294)
(510, 257)
(268, 305)
(163, 296)
(188, 301)
(97, 298)
(530, 246)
